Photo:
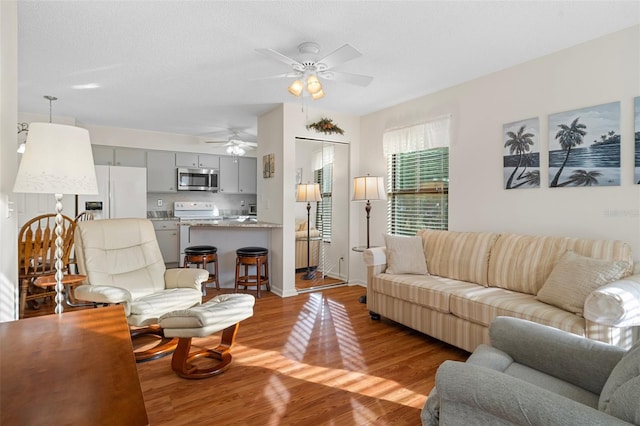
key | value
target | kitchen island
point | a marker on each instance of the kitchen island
(227, 235)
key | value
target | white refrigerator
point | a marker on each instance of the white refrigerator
(122, 192)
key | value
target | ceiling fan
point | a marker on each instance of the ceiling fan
(308, 69)
(235, 145)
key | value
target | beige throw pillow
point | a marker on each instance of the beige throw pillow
(405, 255)
(574, 277)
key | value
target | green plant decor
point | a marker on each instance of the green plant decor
(326, 126)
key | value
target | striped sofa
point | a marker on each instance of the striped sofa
(476, 276)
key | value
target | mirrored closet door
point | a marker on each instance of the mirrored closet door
(322, 232)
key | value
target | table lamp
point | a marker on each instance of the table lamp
(308, 192)
(368, 188)
(57, 160)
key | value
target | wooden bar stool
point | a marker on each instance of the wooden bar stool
(247, 256)
(201, 256)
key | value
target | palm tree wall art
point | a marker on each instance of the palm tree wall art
(584, 147)
(521, 158)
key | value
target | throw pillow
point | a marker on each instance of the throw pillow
(619, 396)
(574, 277)
(405, 255)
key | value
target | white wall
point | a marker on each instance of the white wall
(8, 159)
(277, 132)
(600, 71)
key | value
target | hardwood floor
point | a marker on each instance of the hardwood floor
(317, 281)
(312, 359)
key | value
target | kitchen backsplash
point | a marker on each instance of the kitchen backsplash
(227, 204)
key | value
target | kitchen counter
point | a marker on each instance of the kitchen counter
(227, 235)
(230, 223)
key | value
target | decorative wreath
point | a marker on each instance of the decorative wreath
(325, 125)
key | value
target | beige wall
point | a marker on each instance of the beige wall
(600, 71)
(8, 159)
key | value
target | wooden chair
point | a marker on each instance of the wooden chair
(36, 254)
(82, 216)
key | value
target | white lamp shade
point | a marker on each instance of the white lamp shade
(368, 188)
(308, 192)
(57, 160)
(313, 84)
(296, 87)
(318, 95)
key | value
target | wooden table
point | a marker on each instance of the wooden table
(69, 281)
(72, 368)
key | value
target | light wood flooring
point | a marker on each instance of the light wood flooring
(317, 281)
(313, 359)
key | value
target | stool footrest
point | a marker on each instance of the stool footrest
(182, 361)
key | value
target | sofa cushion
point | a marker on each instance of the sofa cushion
(482, 305)
(523, 262)
(574, 277)
(619, 396)
(405, 255)
(430, 291)
(462, 256)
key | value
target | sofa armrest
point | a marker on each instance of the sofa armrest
(616, 304)
(583, 362)
(185, 278)
(102, 294)
(375, 256)
(468, 391)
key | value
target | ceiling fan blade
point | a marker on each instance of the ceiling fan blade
(339, 56)
(357, 79)
(218, 143)
(279, 57)
(285, 75)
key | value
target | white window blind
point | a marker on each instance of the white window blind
(418, 177)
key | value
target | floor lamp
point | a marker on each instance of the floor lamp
(308, 192)
(367, 188)
(57, 160)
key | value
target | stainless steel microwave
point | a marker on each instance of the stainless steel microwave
(198, 180)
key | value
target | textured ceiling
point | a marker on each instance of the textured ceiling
(190, 67)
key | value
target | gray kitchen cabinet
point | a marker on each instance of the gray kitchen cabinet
(168, 240)
(201, 161)
(161, 171)
(247, 175)
(228, 178)
(103, 155)
(129, 157)
(186, 159)
(208, 161)
(238, 175)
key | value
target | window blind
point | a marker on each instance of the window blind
(324, 177)
(418, 185)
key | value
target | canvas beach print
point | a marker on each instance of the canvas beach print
(637, 138)
(584, 147)
(521, 157)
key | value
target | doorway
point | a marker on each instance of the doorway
(322, 232)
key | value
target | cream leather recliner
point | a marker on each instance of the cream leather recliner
(123, 264)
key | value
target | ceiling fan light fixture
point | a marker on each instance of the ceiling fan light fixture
(313, 84)
(318, 95)
(235, 150)
(296, 88)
